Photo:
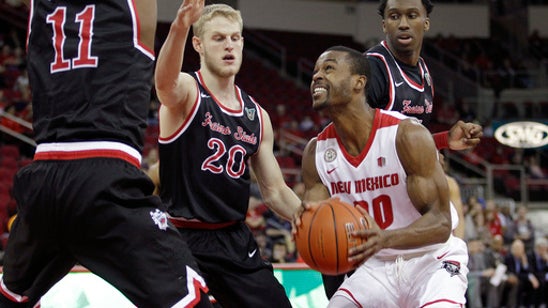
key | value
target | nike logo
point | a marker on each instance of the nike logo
(398, 83)
(443, 255)
(252, 253)
(331, 170)
(204, 95)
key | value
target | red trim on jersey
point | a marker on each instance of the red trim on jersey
(351, 296)
(187, 120)
(238, 112)
(10, 295)
(391, 91)
(180, 222)
(441, 301)
(137, 29)
(408, 79)
(72, 155)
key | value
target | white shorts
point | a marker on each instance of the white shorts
(433, 279)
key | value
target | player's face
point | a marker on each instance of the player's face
(404, 24)
(331, 80)
(222, 45)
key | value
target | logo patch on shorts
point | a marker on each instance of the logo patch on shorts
(452, 267)
(159, 218)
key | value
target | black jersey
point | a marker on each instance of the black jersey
(204, 165)
(398, 86)
(91, 77)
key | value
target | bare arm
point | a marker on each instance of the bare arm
(427, 189)
(455, 197)
(173, 87)
(315, 190)
(276, 194)
(153, 173)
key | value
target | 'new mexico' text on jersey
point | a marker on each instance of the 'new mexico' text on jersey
(411, 96)
(212, 146)
(374, 180)
(91, 76)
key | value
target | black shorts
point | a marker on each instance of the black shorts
(98, 212)
(235, 272)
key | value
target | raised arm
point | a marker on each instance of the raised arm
(173, 87)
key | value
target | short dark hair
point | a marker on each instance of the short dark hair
(358, 62)
(426, 3)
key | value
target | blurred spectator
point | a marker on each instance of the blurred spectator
(264, 243)
(520, 274)
(495, 254)
(493, 218)
(279, 229)
(538, 261)
(280, 253)
(534, 170)
(523, 229)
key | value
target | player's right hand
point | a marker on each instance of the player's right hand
(189, 12)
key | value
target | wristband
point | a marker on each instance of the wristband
(441, 139)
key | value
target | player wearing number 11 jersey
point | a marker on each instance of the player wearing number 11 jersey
(85, 199)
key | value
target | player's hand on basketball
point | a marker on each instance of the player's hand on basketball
(296, 222)
(464, 136)
(189, 12)
(374, 240)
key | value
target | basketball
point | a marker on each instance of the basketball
(323, 238)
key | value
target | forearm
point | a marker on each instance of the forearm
(170, 58)
(428, 230)
(283, 201)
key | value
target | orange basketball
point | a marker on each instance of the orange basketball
(323, 238)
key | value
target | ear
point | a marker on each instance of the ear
(427, 24)
(360, 83)
(197, 44)
(383, 27)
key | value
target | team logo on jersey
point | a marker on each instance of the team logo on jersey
(159, 218)
(428, 79)
(381, 161)
(330, 155)
(452, 267)
(250, 112)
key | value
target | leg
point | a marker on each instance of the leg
(331, 284)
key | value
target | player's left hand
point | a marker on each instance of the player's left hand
(374, 240)
(464, 136)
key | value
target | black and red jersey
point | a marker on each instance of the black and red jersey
(204, 171)
(91, 77)
(399, 87)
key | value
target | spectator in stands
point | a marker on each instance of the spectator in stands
(523, 228)
(520, 274)
(495, 253)
(479, 271)
(492, 218)
(538, 260)
(281, 253)
(534, 169)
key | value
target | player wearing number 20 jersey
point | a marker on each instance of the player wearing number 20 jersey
(221, 141)
(374, 180)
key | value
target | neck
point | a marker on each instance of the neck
(408, 57)
(353, 124)
(223, 88)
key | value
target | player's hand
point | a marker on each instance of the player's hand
(373, 240)
(296, 222)
(464, 136)
(189, 12)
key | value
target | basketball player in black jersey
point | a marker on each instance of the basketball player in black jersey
(211, 134)
(85, 199)
(401, 81)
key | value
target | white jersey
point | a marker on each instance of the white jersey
(374, 180)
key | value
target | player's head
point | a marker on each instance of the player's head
(218, 39)
(340, 75)
(404, 23)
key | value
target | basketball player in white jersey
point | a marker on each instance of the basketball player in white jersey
(386, 164)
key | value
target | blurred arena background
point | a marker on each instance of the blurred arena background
(489, 61)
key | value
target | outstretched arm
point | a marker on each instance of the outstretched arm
(276, 194)
(461, 136)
